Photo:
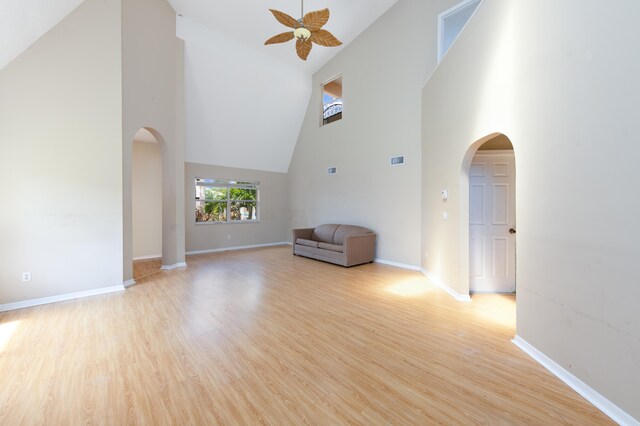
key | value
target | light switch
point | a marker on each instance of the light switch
(445, 194)
(445, 215)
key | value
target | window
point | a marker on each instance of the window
(332, 101)
(226, 201)
(451, 22)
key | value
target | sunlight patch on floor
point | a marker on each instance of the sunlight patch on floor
(6, 331)
(411, 287)
(496, 309)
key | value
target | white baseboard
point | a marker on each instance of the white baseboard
(127, 283)
(459, 297)
(237, 248)
(59, 298)
(174, 266)
(397, 264)
(603, 404)
(148, 257)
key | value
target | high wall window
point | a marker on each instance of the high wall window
(332, 101)
(451, 22)
(226, 201)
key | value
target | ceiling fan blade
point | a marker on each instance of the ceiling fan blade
(325, 38)
(313, 21)
(280, 38)
(303, 48)
(285, 19)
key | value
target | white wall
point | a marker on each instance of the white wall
(273, 204)
(243, 108)
(147, 199)
(61, 159)
(383, 71)
(560, 79)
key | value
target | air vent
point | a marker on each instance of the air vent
(332, 170)
(397, 161)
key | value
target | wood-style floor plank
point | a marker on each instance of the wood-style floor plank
(146, 267)
(264, 337)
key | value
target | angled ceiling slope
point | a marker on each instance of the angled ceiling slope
(243, 108)
(250, 23)
(22, 22)
(245, 102)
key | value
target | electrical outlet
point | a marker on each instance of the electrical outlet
(26, 276)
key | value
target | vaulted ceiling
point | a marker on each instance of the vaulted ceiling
(245, 102)
(22, 22)
(250, 23)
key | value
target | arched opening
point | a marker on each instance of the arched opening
(488, 216)
(146, 202)
(172, 213)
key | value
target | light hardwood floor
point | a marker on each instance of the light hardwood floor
(144, 268)
(261, 336)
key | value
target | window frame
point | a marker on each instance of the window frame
(228, 184)
(326, 121)
(458, 8)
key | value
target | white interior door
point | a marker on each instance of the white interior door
(492, 240)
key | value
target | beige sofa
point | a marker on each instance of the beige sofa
(345, 245)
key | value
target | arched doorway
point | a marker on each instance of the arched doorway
(488, 215)
(172, 203)
(146, 203)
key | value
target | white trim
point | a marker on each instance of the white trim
(397, 264)
(237, 248)
(603, 404)
(59, 298)
(490, 292)
(459, 297)
(445, 14)
(232, 222)
(128, 283)
(174, 266)
(148, 257)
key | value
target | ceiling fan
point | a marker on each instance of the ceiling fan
(305, 30)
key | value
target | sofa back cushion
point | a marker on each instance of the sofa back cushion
(343, 231)
(324, 233)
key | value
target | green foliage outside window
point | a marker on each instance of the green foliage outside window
(226, 203)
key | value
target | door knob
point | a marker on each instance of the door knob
(512, 231)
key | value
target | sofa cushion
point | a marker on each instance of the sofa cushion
(307, 243)
(324, 233)
(332, 247)
(344, 231)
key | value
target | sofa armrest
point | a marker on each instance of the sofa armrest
(305, 233)
(359, 248)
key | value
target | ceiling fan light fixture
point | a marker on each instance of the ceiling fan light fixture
(302, 34)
